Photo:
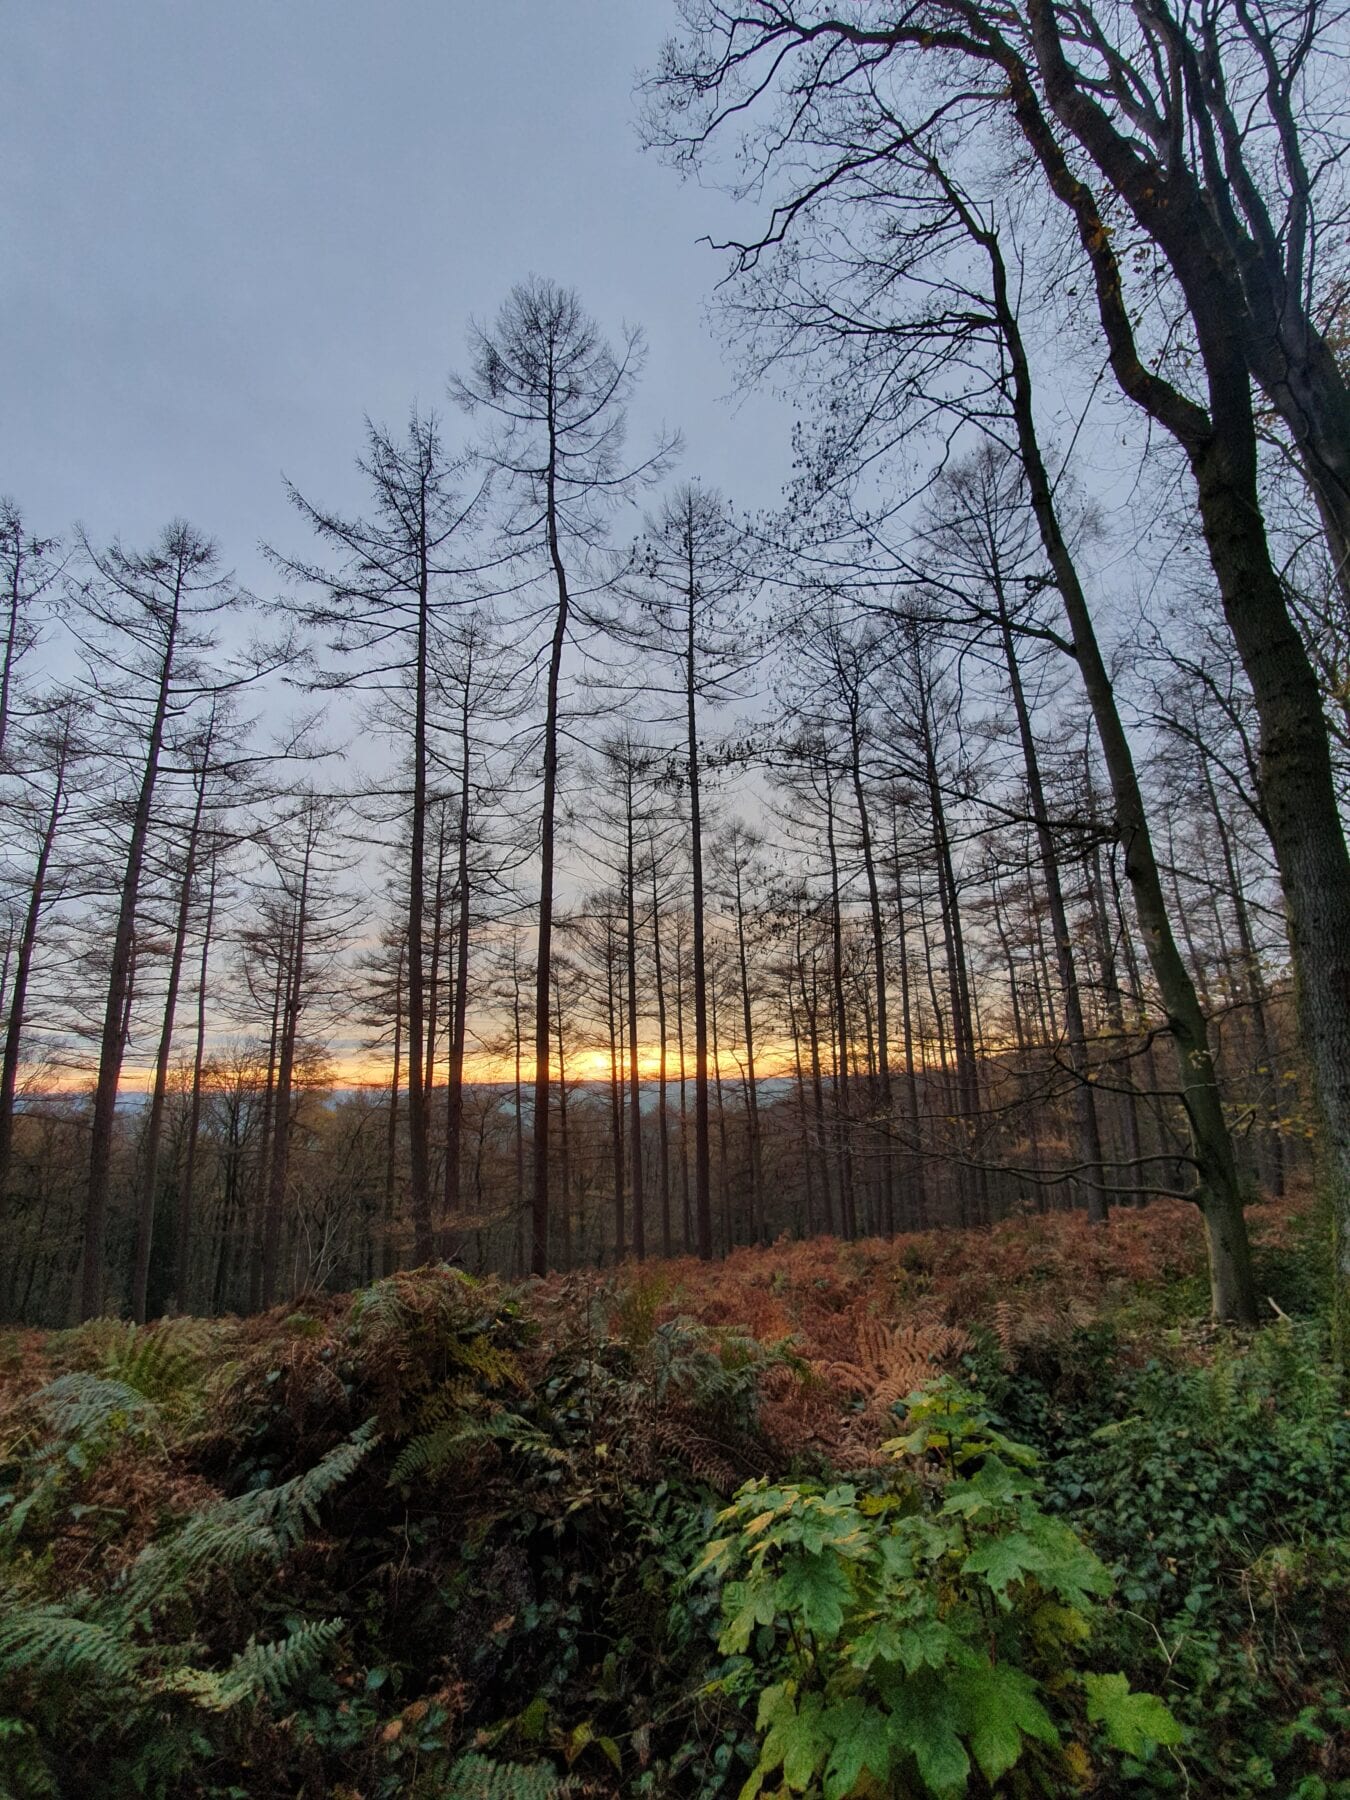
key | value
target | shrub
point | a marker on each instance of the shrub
(915, 1632)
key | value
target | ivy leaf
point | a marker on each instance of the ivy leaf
(1134, 1723)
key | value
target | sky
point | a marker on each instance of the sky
(229, 231)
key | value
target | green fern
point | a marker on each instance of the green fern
(51, 1640)
(166, 1361)
(264, 1524)
(273, 1669)
(56, 1436)
(430, 1453)
(86, 1410)
(270, 1670)
(496, 1366)
(474, 1777)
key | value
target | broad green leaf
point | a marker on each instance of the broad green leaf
(712, 1554)
(1133, 1722)
(926, 1728)
(754, 1605)
(861, 1741)
(1001, 1707)
(804, 1744)
(815, 1590)
(1005, 1559)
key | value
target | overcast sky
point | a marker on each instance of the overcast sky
(229, 230)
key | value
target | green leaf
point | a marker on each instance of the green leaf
(1001, 1707)
(754, 1605)
(861, 1741)
(711, 1555)
(1134, 1723)
(815, 1589)
(1006, 1559)
(926, 1728)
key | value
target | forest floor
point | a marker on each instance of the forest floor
(435, 1538)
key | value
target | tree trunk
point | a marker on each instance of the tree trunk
(281, 1128)
(662, 1095)
(542, 997)
(112, 1045)
(145, 1224)
(1219, 1193)
(702, 1146)
(1085, 1105)
(751, 1088)
(18, 997)
(388, 1257)
(183, 1225)
(634, 1079)
(454, 1079)
(419, 1156)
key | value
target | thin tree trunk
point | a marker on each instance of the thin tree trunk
(1256, 989)
(1085, 1105)
(751, 1087)
(454, 1079)
(542, 995)
(145, 1224)
(112, 1045)
(634, 1080)
(613, 1010)
(419, 1155)
(702, 1147)
(281, 1129)
(1219, 1192)
(848, 1222)
(388, 1258)
(662, 1095)
(686, 1209)
(918, 1207)
(879, 977)
(183, 1225)
(564, 1136)
(18, 997)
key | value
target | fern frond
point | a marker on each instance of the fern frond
(51, 1639)
(474, 1777)
(264, 1524)
(290, 1509)
(450, 1400)
(430, 1453)
(84, 1409)
(497, 1367)
(273, 1669)
(165, 1361)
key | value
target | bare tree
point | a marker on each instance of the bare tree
(381, 607)
(144, 620)
(691, 568)
(555, 392)
(29, 565)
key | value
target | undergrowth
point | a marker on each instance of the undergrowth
(444, 1538)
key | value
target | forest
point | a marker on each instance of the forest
(657, 1147)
